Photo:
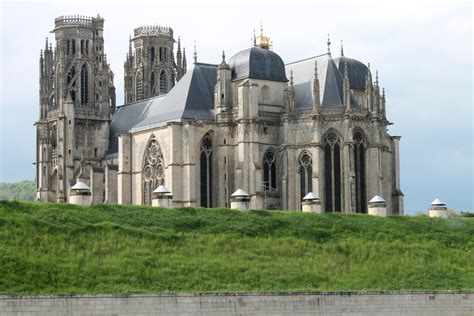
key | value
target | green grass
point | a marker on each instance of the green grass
(60, 248)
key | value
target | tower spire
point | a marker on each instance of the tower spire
(377, 77)
(342, 50)
(130, 45)
(329, 45)
(223, 57)
(46, 45)
(185, 66)
(254, 39)
(195, 53)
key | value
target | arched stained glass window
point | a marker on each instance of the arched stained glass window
(332, 172)
(306, 174)
(269, 170)
(205, 160)
(153, 172)
(359, 168)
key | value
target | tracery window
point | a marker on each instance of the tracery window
(152, 84)
(153, 172)
(359, 168)
(84, 85)
(163, 82)
(71, 83)
(306, 174)
(205, 159)
(269, 170)
(332, 172)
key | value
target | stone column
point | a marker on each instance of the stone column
(162, 197)
(80, 194)
(438, 209)
(240, 200)
(311, 203)
(124, 180)
(377, 206)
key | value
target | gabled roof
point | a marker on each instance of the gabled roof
(330, 82)
(192, 98)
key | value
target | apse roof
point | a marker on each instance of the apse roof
(356, 70)
(330, 82)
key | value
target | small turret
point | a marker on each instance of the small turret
(316, 90)
(179, 59)
(185, 66)
(195, 54)
(222, 97)
(347, 89)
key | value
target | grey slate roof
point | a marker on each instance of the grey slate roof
(357, 71)
(257, 63)
(191, 99)
(330, 82)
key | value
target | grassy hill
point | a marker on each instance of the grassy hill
(60, 248)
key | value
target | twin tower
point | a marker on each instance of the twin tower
(77, 96)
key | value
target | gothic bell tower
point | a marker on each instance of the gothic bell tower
(150, 68)
(77, 98)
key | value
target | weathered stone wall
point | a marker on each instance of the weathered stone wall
(423, 303)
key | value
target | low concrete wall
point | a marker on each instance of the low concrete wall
(373, 303)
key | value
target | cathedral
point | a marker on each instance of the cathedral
(252, 122)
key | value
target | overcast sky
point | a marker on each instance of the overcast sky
(423, 51)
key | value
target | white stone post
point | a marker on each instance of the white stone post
(162, 197)
(311, 203)
(378, 206)
(438, 209)
(80, 194)
(240, 200)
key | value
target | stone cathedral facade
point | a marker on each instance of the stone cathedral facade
(251, 122)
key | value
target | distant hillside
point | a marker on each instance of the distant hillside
(21, 191)
(61, 248)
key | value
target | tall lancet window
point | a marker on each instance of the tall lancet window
(163, 82)
(306, 174)
(152, 83)
(71, 83)
(153, 172)
(269, 170)
(84, 85)
(332, 172)
(139, 86)
(359, 168)
(205, 159)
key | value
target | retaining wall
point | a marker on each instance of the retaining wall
(327, 303)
